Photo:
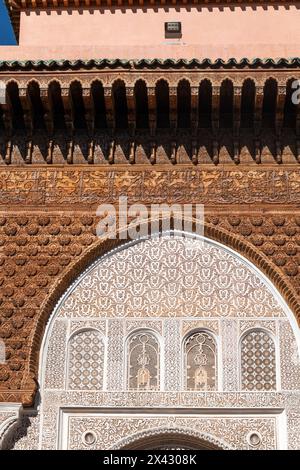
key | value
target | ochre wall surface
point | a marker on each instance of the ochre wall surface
(212, 31)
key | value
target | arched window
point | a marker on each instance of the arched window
(85, 361)
(143, 369)
(200, 357)
(258, 363)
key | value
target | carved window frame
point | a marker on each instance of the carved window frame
(160, 362)
(218, 361)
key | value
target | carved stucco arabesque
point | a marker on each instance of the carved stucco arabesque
(116, 295)
(43, 253)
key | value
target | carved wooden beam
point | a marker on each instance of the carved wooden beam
(89, 110)
(131, 109)
(28, 121)
(108, 99)
(152, 109)
(215, 116)
(7, 118)
(173, 107)
(27, 111)
(280, 102)
(237, 99)
(215, 111)
(194, 151)
(48, 110)
(68, 110)
(194, 108)
(69, 121)
(8, 127)
(259, 97)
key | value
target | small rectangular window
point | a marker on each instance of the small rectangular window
(173, 29)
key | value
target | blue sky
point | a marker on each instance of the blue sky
(6, 31)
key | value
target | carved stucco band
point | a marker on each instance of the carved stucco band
(150, 76)
(180, 433)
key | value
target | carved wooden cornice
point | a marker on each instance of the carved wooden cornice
(99, 111)
(53, 4)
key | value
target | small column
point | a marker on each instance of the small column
(259, 96)
(152, 109)
(115, 356)
(237, 98)
(172, 354)
(48, 111)
(131, 109)
(131, 121)
(69, 120)
(173, 107)
(215, 111)
(109, 108)
(49, 120)
(28, 120)
(194, 109)
(89, 110)
(152, 121)
(215, 122)
(8, 129)
(280, 102)
(229, 366)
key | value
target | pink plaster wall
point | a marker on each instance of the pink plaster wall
(139, 33)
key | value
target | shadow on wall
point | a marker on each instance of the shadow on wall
(156, 8)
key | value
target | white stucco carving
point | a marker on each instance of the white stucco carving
(171, 288)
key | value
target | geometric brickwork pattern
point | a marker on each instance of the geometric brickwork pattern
(85, 365)
(258, 365)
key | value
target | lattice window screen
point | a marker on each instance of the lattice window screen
(258, 362)
(85, 361)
